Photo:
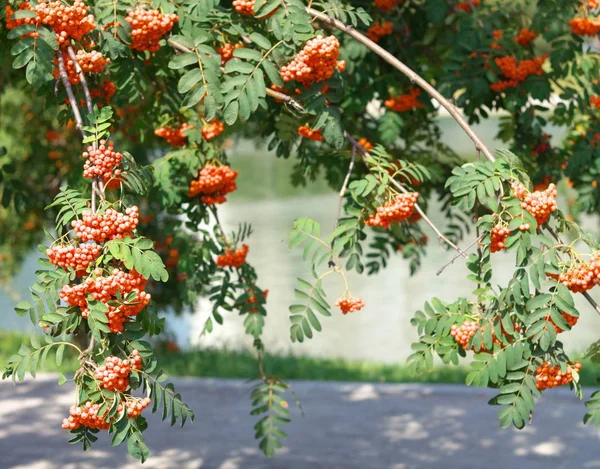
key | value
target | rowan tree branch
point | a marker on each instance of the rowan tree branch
(64, 78)
(408, 72)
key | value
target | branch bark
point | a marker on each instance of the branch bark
(64, 78)
(410, 74)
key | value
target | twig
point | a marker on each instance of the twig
(286, 99)
(451, 261)
(402, 189)
(344, 186)
(408, 72)
(64, 78)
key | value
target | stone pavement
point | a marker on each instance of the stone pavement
(346, 426)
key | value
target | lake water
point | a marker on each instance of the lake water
(381, 331)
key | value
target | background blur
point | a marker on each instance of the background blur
(381, 332)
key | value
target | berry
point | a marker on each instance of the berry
(213, 183)
(306, 132)
(405, 102)
(102, 162)
(516, 73)
(499, 235)
(585, 26)
(548, 377)
(226, 52)
(67, 21)
(395, 211)
(85, 416)
(244, 7)
(12, 23)
(367, 146)
(349, 305)
(90, 62)
(109, 225)
(105, 92)
(148, 27)
(467, 7)
(234, 259)
(114, 374)
(464, 333)
(75, 257)
(386, 5)
(525, 37)
(174, 135)
(212, 129)
(135, 406)
(379, 30)
(540, 203)
(316, 62)
(581, 276)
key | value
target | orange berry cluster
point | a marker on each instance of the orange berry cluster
(517, 72)
(12, 23)
(67, 21)
(405, 102)
(499, 235)
(114, 374)
(106, 91)
(87, 415)
(102, 162)
(525, 37)
(306, 132)
(585, 26)
(540, 203)
(148, 27)
(363, 142)
(244, 7)
(548, 377)
(76, 257)
(109, 225)
(468, 6)
(462, 335)
(174, 135)
(387, 5)
(316, 61)
(136, 406)
(213, 184)
(234, 259)
(592, 4)
(226, 52)
(496, 35)
(395, 211)
(571, 321)
(350, 305)
(90, 62)
(212, 129)
(253, 299)
(581, 276)
(377, 31)
(595, 101)
(104, 289)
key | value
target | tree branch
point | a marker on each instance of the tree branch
(408, 72)
(64, 78)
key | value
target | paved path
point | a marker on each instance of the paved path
(347, 426)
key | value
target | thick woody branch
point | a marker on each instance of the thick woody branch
(408, 72)
(64, 78)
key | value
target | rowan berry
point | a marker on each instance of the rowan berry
(464, 333)
(12, 23)
(516, 73)
(585, 26)
(525, 37)
(349, 305)
(67, 21)
(102, 162)
(90, 62)
(226, 52)
(387, 5)
(379, 30)
(405, 102)
(367, 146)
(467, 7)
(592, 4)
(548, 377)
(77, 257)
(174, 135)
(85, 416)
(105, 92)
(109, 225)
(499, 235)
(244, 7)
(316, 62)
(234, 259)
(213, 184)
(540, 204)
(212, 129)
(581, 276)
(135, 406)
(148, 27)
(306, 132)
(398, 210)
(114, 374)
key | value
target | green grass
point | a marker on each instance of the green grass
(231, 364)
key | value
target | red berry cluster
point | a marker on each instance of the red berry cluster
(85, 416)
(593, 4)
(90, 62)
(316, 62)
(467, 7)
(105, 92)
(379, 30)
(540, 204)
(499, 235)
(226, 52)
(525, 37)
(387, 5)
(367, 146)
(102, 162)
(114, 374)
(135, 406)
(12, 23)
(405, 102)
(148, 27)
(585, 26)
(350, 305)
(571, 321)
(67, 21)
(76, 257)
(212, 129)
(464, 333)
(244, 7)
(174, 135)
(395, 211)
(213, 184)
(109, 225)
(104, 289)
(234, 259)
(581, 276)
(306, 132)
(516, 73)
(548, 377)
